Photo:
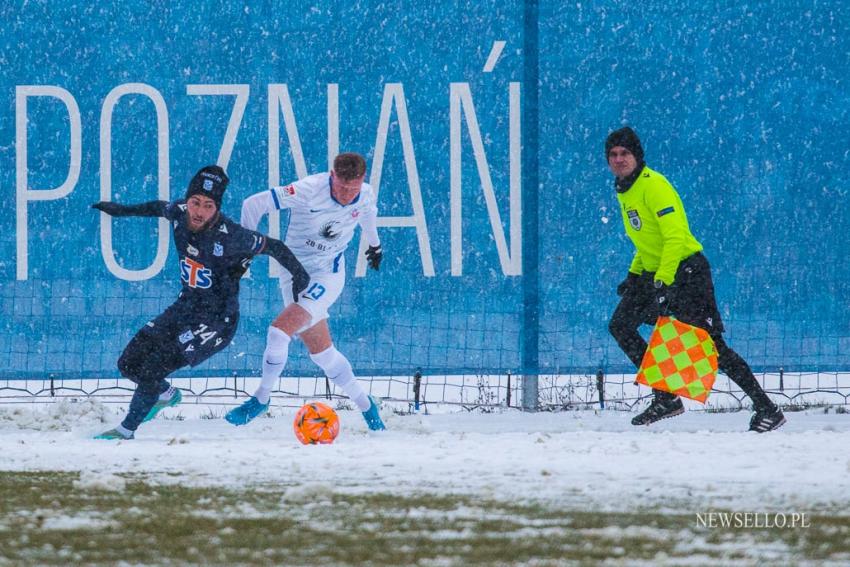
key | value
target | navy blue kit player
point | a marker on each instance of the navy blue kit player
(214, 253)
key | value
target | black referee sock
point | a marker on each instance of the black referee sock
(736, 368)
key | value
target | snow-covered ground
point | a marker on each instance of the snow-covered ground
(702, 461)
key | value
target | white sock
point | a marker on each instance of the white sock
(338, 369)
(274, 359)
(123, 431)
(166, 395)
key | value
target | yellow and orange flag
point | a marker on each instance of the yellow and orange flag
(680, 359)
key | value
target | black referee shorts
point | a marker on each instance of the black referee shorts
(692, 302)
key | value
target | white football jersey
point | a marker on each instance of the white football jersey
(320, 228)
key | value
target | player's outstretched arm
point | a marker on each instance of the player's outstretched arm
(369, 224)
(254, 207)
(149, 209)
(281, 252)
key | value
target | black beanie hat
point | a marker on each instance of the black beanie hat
(210, 181)
(626, 138)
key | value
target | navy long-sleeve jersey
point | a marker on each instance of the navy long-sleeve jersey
(213, 260)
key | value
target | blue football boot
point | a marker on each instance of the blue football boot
(372, 417)
(246, 413)
(176, 398)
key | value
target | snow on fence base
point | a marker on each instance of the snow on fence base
(484, 392)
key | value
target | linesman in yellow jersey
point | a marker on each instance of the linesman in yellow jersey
(668, 276)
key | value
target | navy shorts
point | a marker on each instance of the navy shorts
(196, 333)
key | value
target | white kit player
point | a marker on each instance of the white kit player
(324, 211)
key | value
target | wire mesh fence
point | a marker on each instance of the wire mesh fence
(599, 391)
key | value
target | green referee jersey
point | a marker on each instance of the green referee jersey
(655, 220)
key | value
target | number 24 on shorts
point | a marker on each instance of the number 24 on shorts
(315, 291)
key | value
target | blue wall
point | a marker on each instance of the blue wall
(743, 108)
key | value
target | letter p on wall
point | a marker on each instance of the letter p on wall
(23, 193)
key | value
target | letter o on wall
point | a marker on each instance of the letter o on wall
(163, 235)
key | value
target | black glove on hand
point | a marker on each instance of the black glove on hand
(107, 207)
(628, 284)
(300, 281)
(374, 255)
(663, 297)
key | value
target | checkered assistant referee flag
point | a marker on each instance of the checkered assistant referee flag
(680, 359)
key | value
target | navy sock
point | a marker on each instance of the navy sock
(143, 400)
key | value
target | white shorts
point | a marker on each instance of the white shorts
(321, 293)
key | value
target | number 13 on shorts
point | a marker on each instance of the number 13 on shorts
(320, 295)
(315, 291)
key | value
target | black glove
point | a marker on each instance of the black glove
(628, 284)
(663, 297)
(300, 281)
(374, 255)
(107, 207)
